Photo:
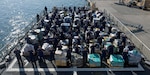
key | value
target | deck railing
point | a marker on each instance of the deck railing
(17, 41)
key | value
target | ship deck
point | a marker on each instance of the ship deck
(49, 68)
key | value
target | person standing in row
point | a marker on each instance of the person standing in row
(32, 59)
(68, 57)
(18, 56)
(104, 54)
(52, 54)
(40, 54)
(85, 54)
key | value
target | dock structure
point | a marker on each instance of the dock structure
(75, 31)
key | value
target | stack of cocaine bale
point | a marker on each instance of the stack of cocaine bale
(116, 60)
(46, 47)
(77, 60)
(60, 58)
(134, 57)
(94, 60)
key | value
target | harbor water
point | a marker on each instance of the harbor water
(16, 14)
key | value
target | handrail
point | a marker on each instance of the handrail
(4, 51)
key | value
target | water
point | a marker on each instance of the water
(16, 14)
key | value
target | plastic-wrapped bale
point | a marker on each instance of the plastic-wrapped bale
(103, 34)
(114, 30)
(60, 60)
(116, 42)
(27, 48)
(47, 47)
(77, 60)
(94, 60)
(112, 34)
(25, 53)
(134, 57)
(106, 38)
(64, 42)
(116, 61)
(64, 48)
(107, 44)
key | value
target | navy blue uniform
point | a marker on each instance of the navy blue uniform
(52, 55)
(68, 55)
(85, 54)
(32, 59)
(18, 56)
(125, 57)
(104, 54)
(41, 55)
(110, 50)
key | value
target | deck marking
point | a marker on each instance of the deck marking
(26, 63)
(110, 72)
(75, 73)
(76, 69)
(133, 73)
(11, 65)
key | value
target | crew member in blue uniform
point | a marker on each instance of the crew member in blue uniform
(85, 54)
(52, 55)
(18, 56)
(68, 57)
(32, 59)
(104, 54)
(92, 49)
(110, 50)
(40, 54)
(123, 38)
(121, 47)
(100, 39)
(125, 56)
